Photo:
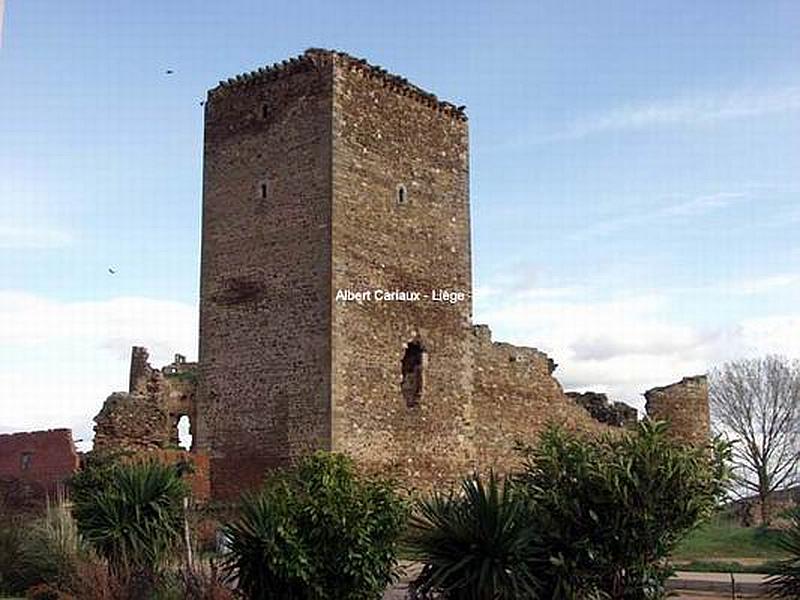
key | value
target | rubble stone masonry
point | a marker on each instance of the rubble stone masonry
(336, 295)
(685, 405)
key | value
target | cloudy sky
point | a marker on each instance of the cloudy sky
(635, 177)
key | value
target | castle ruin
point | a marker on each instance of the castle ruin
(336, 296)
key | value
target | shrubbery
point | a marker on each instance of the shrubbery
(134, 517)
(481, 543)
(317, 531)
(601, 517)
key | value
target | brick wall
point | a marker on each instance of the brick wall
(44, 459)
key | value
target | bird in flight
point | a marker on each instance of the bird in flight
(112, 271)
(169, 71)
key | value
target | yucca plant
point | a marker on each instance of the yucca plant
(476, 545)
(134, 519)
(784, 580)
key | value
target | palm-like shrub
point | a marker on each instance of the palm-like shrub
(784, 581)
(134, 517)
(317, 531)
(477, 545)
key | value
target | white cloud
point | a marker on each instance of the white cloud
(60, 360)
(673, 208)
(761, 285)
(19, 236)
(687, 110)
(625, 345)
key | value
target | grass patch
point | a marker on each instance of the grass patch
(723, 566)
(722, 538)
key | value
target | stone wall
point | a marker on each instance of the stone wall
(146, 416)
(685, 406)
(400, 222)
(325, 174)
(617, 414)
(516, 397)
(265, 271)
(34, 464)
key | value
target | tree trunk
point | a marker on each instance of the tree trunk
(766, 510)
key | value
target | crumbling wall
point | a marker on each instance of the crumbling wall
(33, 465)
(515, 398)
(685, 406)
(146, 416)
(616, 414)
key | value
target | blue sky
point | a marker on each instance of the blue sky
(635, 177)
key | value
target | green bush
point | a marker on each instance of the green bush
(612, 509)
(784, 580)
(317, 531)
(133, 518)
(478, 545)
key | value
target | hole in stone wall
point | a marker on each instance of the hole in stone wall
(262, 191)
(412, 367)
(264, 111)
(402, 194)
(185, 433)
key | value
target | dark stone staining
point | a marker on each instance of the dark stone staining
(238, 290)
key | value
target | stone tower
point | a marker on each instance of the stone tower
(327, 179)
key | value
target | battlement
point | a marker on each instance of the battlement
(313, 57)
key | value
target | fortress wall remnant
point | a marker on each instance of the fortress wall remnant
(516, 397)
(146, 417)
(35, 464)
(685, 406)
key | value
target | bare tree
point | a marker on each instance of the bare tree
(757, 402)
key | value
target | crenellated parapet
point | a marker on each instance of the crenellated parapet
(316, 57)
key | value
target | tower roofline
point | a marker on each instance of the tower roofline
(311, 57)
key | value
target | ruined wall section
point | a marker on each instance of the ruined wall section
(685, 406)
(616, 414)
(515, 398)
(146, 416)
(400, 221)
(33, 465)
(265, 271)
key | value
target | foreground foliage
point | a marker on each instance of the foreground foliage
(133, 518)
(317, 531)
(44, 550)
(586, 518)
(479, 544)
(784, 581)
(612, 509)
